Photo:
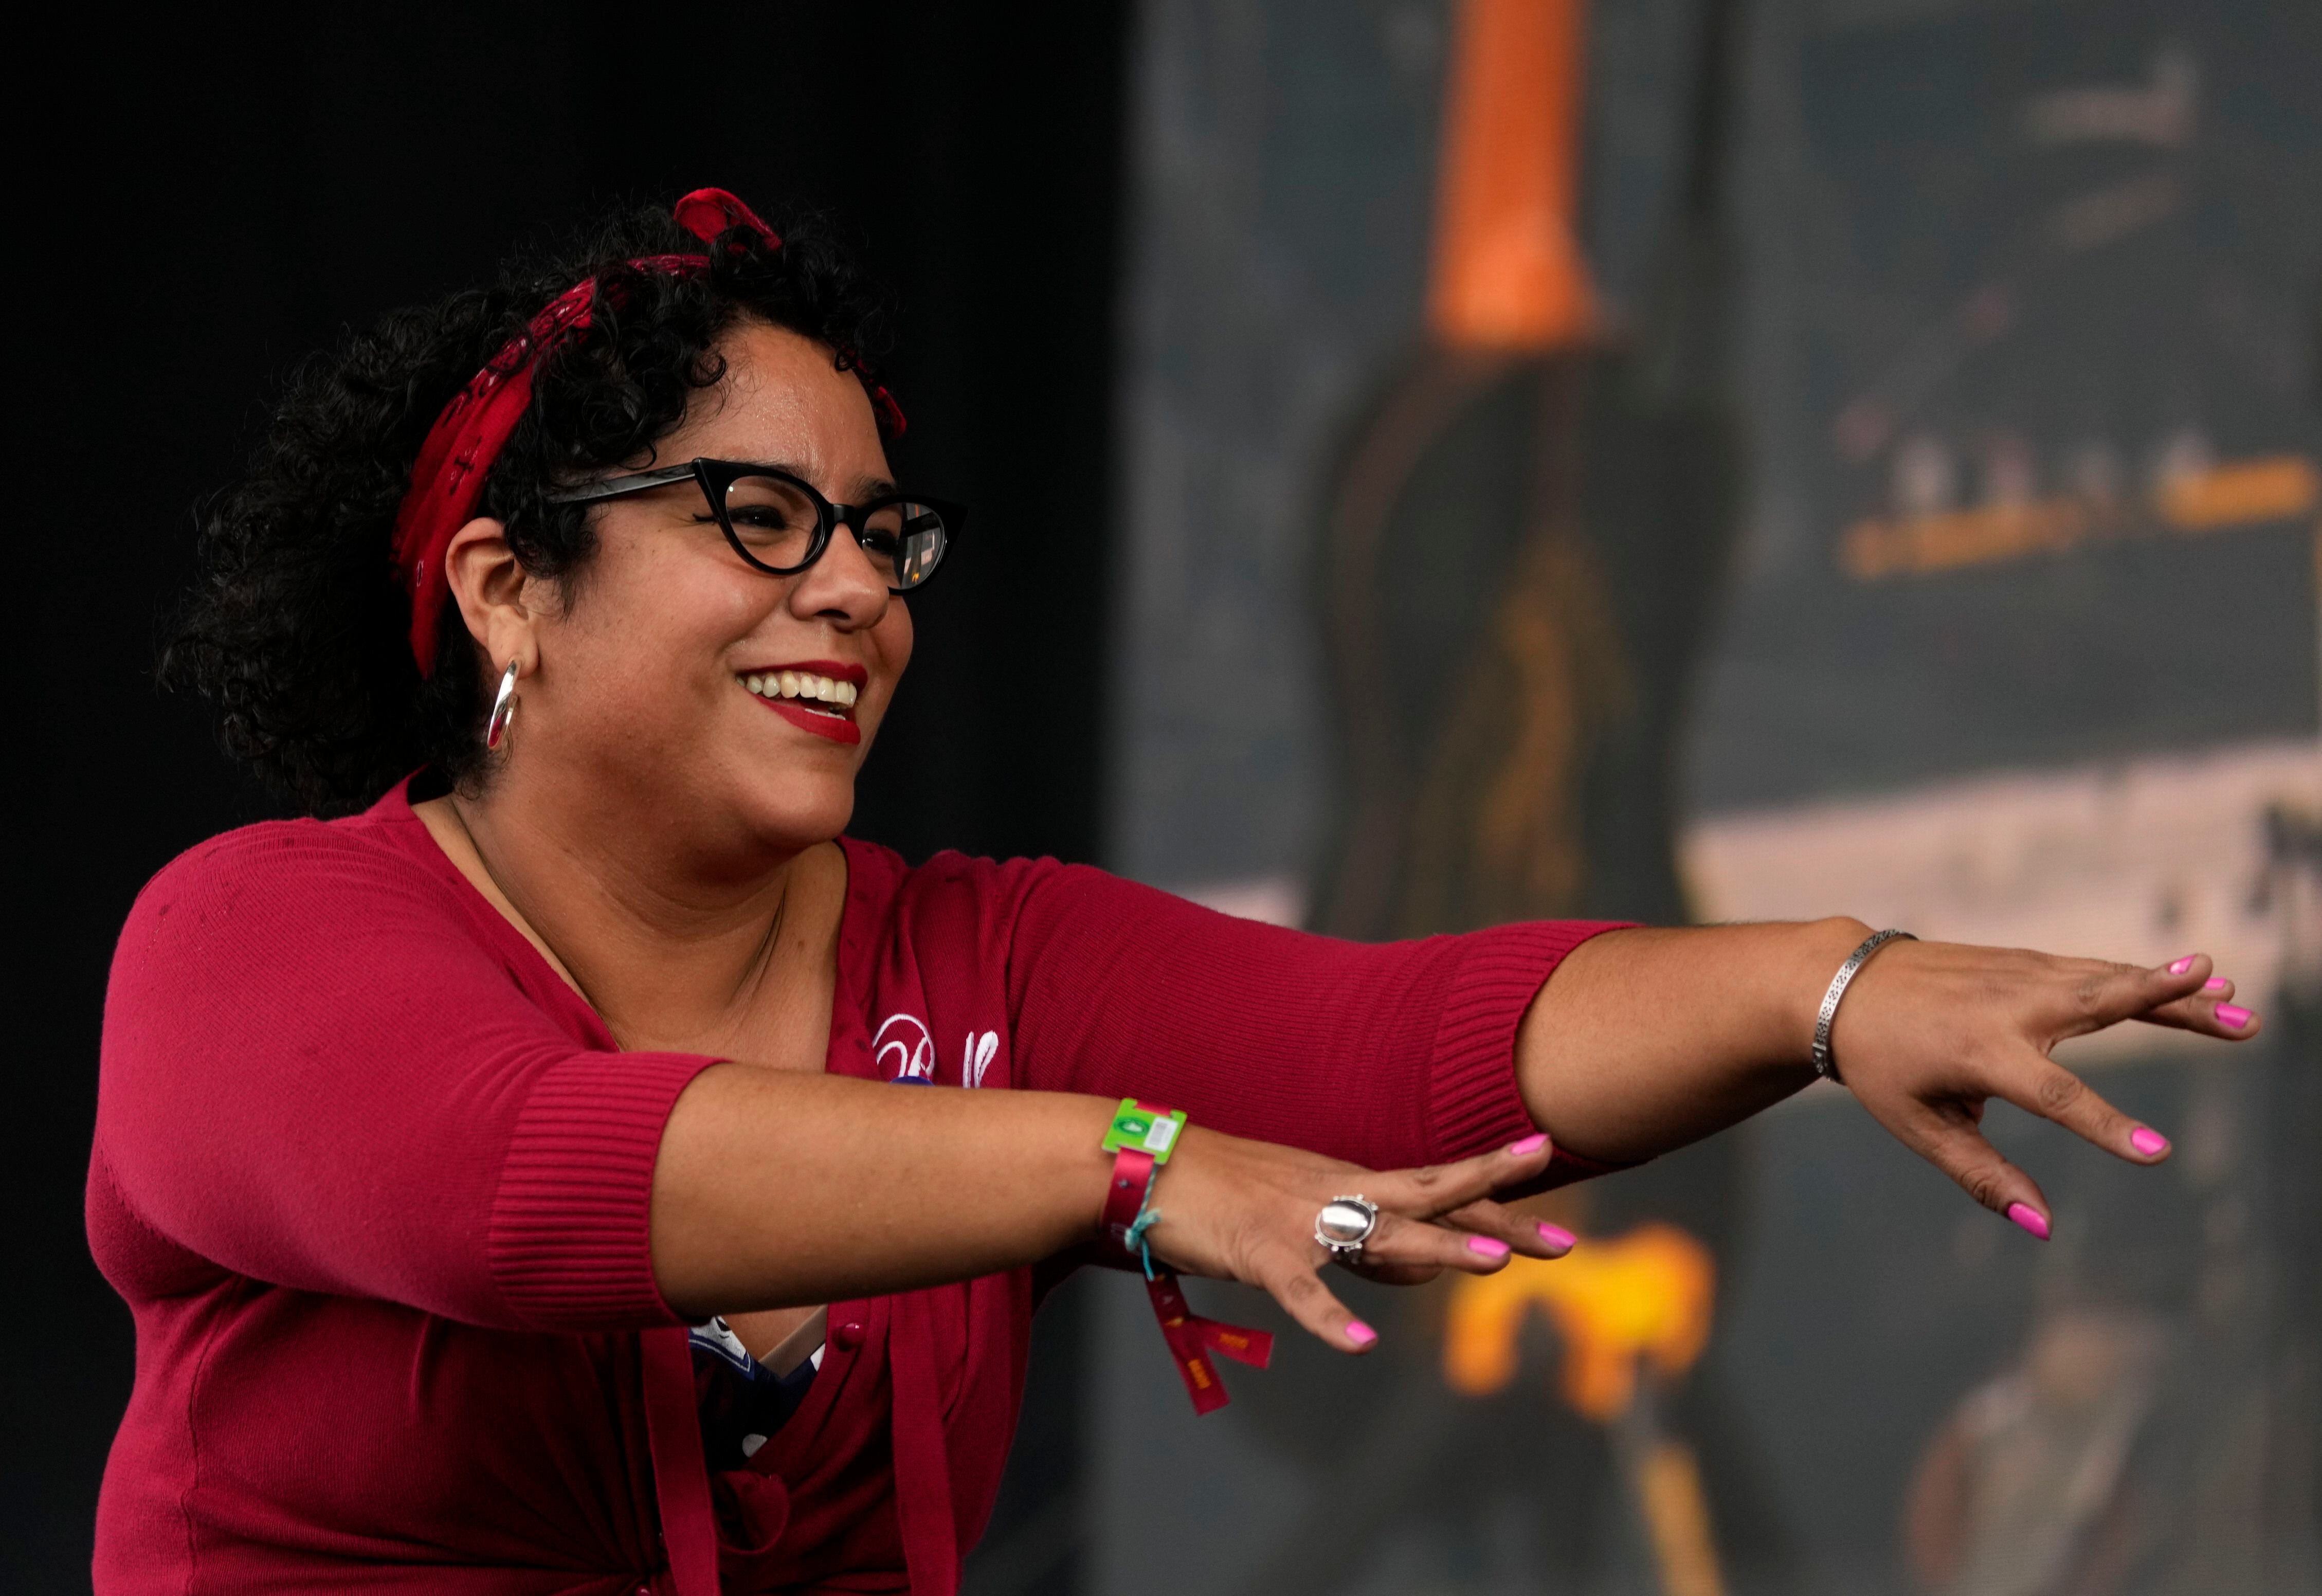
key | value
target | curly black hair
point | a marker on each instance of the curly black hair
(296, 625)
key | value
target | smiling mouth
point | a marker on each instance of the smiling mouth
(804, 690)
(819, 697)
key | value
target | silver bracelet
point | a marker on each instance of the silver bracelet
(1825, 1065)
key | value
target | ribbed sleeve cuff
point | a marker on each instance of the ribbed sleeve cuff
(571, 1246)
(1474, 1104)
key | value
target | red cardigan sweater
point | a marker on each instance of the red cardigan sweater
(374, 1181)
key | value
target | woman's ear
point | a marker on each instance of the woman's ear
(498, 597)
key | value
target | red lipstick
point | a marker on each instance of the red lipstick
(833, 724)
(834, 721)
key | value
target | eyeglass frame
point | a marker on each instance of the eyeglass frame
(716, 478)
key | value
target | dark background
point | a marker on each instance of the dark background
(208, 204)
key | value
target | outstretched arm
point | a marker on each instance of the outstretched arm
(775, 1187)
(1645, 1039)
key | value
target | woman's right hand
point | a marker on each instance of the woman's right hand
(1242, 1210)
(776, 1189)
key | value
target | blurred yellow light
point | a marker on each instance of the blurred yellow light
(2240, 493)
(2271, 489)
(1873, 549)
(1646, 1295)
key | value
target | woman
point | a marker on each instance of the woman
(507, 1177)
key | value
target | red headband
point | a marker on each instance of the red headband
(448, 478)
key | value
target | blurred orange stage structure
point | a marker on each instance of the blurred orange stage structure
(1508, 276)
(1645, 1295)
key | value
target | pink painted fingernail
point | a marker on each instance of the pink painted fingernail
(1360, 1333)
(1489, 1246)
(1529, 1145)
(2183, 965)
(2216, 983)
(2147, 1141)
(2232, 1016)
(2028, 1216)
(1559, 1237)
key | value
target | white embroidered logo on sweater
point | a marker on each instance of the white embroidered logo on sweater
(904, 1050)
(976, 1057)
(907, 1038)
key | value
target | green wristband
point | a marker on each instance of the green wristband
(1146, 1128)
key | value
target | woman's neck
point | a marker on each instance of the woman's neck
(672, 952)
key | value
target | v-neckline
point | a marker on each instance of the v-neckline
(513, 933)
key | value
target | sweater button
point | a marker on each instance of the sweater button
(848, 1337)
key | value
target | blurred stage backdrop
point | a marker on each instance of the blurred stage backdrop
(1675, 460)
(1435, 463)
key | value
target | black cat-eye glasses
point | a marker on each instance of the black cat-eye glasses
(780, 525)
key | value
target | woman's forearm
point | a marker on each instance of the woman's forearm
(1645, 1039)
(775, 1189)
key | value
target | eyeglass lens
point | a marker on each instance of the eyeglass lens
(906, 540)
(775, 519)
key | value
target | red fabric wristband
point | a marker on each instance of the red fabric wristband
(1190, 1337)
(1132, 1178)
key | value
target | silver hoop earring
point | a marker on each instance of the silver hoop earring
(503, 709)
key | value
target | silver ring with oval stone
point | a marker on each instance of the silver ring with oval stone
(1344, 1225)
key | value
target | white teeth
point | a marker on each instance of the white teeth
(803, 684)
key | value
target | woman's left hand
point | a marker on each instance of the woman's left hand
(1930, 1031)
